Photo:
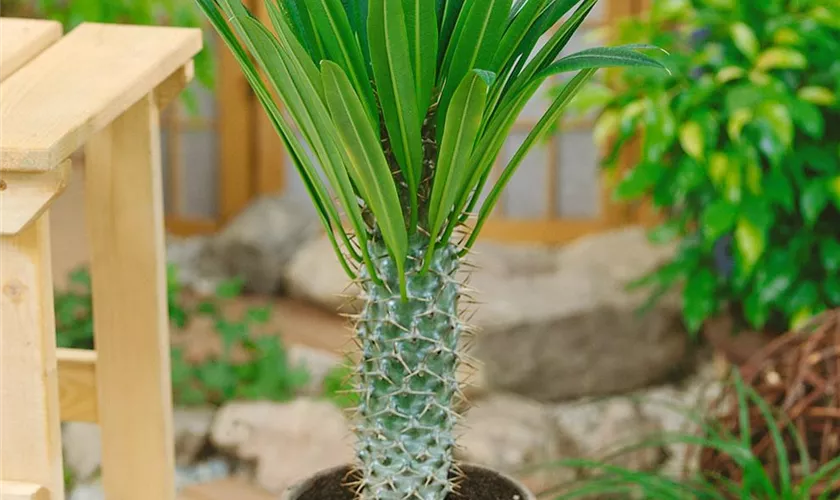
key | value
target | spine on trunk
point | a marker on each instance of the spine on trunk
(407, 377)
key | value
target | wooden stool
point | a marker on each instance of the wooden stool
(101, 87)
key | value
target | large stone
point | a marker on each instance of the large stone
(286, 442)
(510, 433)
(578, 331)
(259, 243)
(185, 254)
(317, 362)
(192, 433)
(315, 275)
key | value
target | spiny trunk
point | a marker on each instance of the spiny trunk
(408, 377)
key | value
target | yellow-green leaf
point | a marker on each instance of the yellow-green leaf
(801, 318)
(821, 96)
(605, 127)
(729, 74)
(693, 140)
(754, 175)
(759, 78)
(737, 122)
(751, 242)
(834, 188)
(786, 36)
(745, 39)
(718, 167)
(778, 116)
(781, 58)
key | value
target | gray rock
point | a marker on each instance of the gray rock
(192, 432)
(317, 362)
(185, 254)
(315, 275)
(577, 332)
(259, 243)
(286, 442)
(510, 433)
(82, 450)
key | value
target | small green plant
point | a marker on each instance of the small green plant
(405, 106)
(248, 367)
(757, 481)
(338, 387)
(739, 151)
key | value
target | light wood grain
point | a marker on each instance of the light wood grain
(77, 385)
(225, 489)
(22, 491)
(236, 129)
(102, 71)
(30, 440)
(23, 39)
(169, 90)
(24, 196)
(125, 222)
(549, 232)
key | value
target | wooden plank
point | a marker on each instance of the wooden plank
(551, 232)
(125, 223)
(270, 151)
(21, 40)
(30, 432)
(103, 70)
(225, 489)
(236, 131)
(77, 385)
(172, 87)
(22, 491)
(25, 196)
(181, 226)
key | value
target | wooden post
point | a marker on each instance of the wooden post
(30, 429)
(125, 220)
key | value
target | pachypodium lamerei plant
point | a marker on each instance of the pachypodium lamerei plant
(405, 105)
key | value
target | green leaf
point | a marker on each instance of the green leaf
(693, 140)
(804, 297)
(775, 277)
(756, 311)
(517, 31)
(463, 122)
(778, 189)
(259, 315)
(781, 58)
(473, 47)
(745, 39)
(751, 234)
(718, 219)
(605, 57)
(368, 165)
(779, 119)
(831, 288)
(423, 47)
(342, 47)
(297, 13)
(821, 96)
(814, 201)
(549, 118)
(699, 299)
(638, 181)
(230, 289)
(830, 254)
(809, 118)
(395, 82)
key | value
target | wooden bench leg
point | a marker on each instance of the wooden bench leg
(30, 428)
(128, 272)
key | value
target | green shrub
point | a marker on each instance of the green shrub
(739, 153)
(261, 371)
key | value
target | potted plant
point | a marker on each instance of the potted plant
(394, 112)
(737, 151)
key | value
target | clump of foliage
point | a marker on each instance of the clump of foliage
(405, 106)
(757, 481)
(738, 151)
(249, 367)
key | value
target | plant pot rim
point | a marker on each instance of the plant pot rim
(294, 492)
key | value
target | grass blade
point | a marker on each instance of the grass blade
(395, 83)
(518, 29)
(423, 47)
(285, 33)
(343, 48)
(472, 48)
(368, 165)
(604, 57)
(540, 129)
(463, 123)
(450, 15)
(298, 15)
(323, 203)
